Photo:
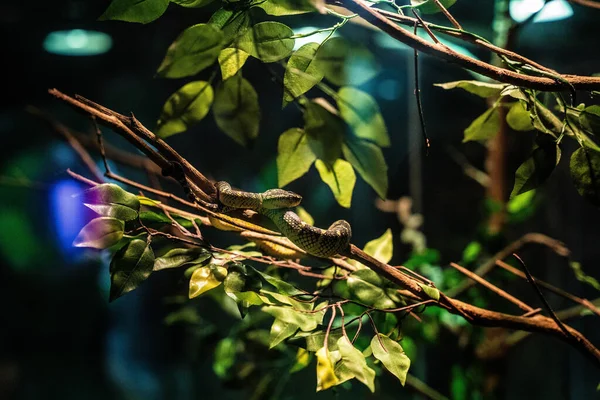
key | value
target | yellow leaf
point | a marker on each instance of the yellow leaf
(205, 278)
(325, 376)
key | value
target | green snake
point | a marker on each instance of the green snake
(276, 204)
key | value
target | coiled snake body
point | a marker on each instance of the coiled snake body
(276, 205)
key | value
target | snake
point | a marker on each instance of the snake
(277, 205)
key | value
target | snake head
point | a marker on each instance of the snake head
(274, 199)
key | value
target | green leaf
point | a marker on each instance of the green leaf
(325, 374)
(361, 112)
(589, 119)
(429, 6)
(481, 89)
(536, 169)
(314, 341)
(231, 61)
(305, 321)
(130, 266)
(521, 203)
(225, 353)
(231, 22)
(282, 287)
(325, 130)
(368, 160)
(142, 11)
(286, 7)
(471, 252)
(184, 108)
(100, 233)
(302, 72)
(192, 3)
(381, 248)
(485, 127)
(340, 178)
(345, 63)
(518, 118)
(206, 278)
(430, 291)
(236, 110)
(391, 355)
(294, 156)
(303, 359)
(179, 257)
(354, 361)
(280, 331)
(194, 50)
(268, 41)
(110, 200)
(585, 172)
(368, 288)
(581, 276)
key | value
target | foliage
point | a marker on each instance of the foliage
(342, 134)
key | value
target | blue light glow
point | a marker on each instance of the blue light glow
(67, 212)
(77, 42)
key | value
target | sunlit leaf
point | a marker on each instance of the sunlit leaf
(585, 172)
(283, 287)
(345, 63)
(484, 127)
(481, 89)
(368, 287)
(381, 248)
(268, 41)
(286, 7)
(236, 109)
(130, 266)
(304, 320)
(294, 156)
(536, 169)
(520, 203)
(361, 112)
(354, 361)
(194, 50)
(302, 72)
(391, 355)
(367, 158)
(325, 374)
(184, 108)
(340, 178)
(206, 278)
(280, 331)
(581, 276)
(142, 11)
(518, 118)
(231, 61)
(100, 233)
(179, 257)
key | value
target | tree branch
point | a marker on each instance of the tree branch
(441, 51)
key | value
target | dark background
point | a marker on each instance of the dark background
(59, 337)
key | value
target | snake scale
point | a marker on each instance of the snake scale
(276, 204)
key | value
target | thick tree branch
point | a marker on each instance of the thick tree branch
(373, 16)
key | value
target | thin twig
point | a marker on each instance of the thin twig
(541, 296)
(493, 288)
